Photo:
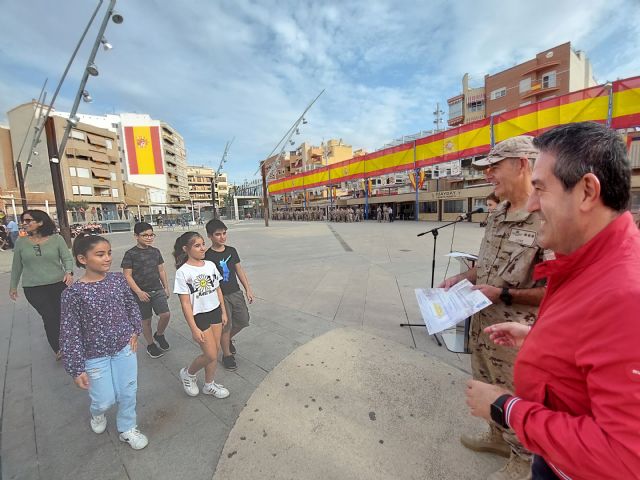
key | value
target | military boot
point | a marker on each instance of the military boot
(517, 468)
(490, 441)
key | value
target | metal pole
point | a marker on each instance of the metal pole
(13, 205)
(265, 194)
(417, 180)
(213, 195)
(85, 75)
(193, 214)
(36, 138)
(23, 193)
(56, 179)
(609, 86)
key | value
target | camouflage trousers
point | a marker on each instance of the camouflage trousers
(493, 364)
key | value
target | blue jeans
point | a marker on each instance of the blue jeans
(114, 380)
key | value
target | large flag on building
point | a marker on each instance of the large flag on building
(144, 153)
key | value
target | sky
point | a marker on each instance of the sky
(244, 69)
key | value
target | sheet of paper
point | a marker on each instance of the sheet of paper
(444, 309)
(462, 255)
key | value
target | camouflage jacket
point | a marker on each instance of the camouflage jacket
(508, 255)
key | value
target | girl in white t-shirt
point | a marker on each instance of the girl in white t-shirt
(197, 284)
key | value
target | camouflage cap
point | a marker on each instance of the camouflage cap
(514, 147)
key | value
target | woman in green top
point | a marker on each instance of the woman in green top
(45, 264)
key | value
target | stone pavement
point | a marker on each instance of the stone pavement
(330, 300)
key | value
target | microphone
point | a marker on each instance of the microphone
(466, 216)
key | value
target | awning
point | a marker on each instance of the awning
(96, 140)
(100, 173)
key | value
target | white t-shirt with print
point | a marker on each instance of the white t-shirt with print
(200, 283)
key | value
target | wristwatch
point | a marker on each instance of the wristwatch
(497, 410)
(506, 297)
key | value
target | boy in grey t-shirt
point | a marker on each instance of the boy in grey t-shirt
(143, 267)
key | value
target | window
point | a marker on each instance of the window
(428, 207)
(85, 190)
(108, 143)
(635, 201)
(499, 93)
(112, 175)
(83, 172)
(525, 85)
(78, 135)
(75, 189)
(72, 171)
(549, 80)
(455, 110)
(476, 106)
(114, 192)
(453, 206)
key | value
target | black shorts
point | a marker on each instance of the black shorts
(205, 319)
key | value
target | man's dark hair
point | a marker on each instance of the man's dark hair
(141, 227)
(589, 147)
(215, 225)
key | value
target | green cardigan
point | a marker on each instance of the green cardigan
(42, 266)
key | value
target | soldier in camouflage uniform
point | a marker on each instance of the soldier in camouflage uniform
(504, 273)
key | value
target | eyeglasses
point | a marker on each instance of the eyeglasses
(28, 220)
(148, 235)
(37, 250)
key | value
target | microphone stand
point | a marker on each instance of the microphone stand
(434, 232)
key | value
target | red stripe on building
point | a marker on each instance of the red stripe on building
(157, 150)
(132, 158)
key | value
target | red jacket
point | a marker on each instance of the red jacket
(577, 376)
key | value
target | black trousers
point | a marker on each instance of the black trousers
(541, 471)
(46, 300)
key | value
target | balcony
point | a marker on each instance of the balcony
(541, 66)
(539, 88)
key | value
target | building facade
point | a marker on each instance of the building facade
(200, 179)
(554, 72)
(90, 165)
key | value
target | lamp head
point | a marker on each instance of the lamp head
(93, 70)
(117, 18)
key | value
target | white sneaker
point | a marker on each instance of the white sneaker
(189, 383)
(98, 423)
(134, 438)
(215, 389)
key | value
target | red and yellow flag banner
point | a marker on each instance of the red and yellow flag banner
(144, 152)
(591, 104)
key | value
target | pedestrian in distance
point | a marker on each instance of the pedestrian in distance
(227, 261)
(143, 267)
(99, 338)
(197, 284)
(44, 264)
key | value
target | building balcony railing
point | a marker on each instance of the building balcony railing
(541, 66)
(538, 89)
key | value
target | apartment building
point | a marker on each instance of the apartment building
(90, 164)
(554, 72)
(200, 179)
(468, 106)
(175, 157)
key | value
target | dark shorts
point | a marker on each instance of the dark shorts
(205, 319)
(237, 311)
(157, 303)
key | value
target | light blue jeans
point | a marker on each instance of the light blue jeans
(114, 380)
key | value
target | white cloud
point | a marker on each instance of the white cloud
(215, 70)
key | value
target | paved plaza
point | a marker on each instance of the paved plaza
(328, 384)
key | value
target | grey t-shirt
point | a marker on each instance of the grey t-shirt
(144, 265)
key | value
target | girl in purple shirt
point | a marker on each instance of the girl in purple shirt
(99, 329)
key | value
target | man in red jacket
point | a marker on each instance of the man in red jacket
(577, 375)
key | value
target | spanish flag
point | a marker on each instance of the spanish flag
(143, 150)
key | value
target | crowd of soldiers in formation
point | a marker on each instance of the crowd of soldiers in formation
(339, 214)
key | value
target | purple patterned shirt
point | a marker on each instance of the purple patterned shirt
(97, 320)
